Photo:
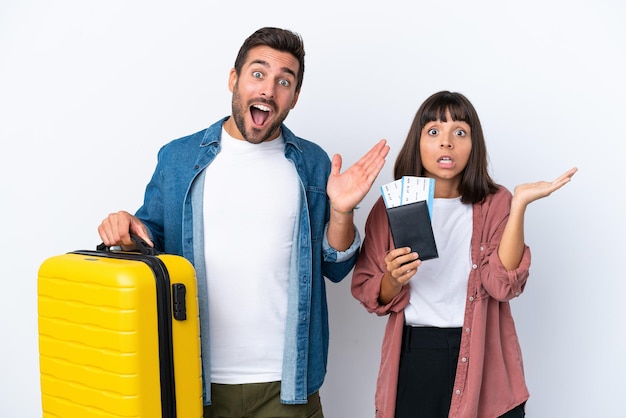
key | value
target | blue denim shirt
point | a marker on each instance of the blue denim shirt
(172, 211)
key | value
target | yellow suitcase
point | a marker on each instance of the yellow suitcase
(119, 335)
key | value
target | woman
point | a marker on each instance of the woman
(450, 347)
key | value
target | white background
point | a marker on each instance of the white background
(89, 91)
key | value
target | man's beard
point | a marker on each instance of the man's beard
(254, 136)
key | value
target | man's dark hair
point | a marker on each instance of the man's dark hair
(279, 39)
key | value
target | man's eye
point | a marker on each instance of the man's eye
(433, 131)
(284, 83)
(257, 74)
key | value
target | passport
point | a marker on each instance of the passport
(411, 227)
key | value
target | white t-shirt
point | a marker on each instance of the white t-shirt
(250, 205)
(439, 288)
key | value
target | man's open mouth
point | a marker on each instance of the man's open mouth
(259, 113)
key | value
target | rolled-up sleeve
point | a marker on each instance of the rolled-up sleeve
(370, 266)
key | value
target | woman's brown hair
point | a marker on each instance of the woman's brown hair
(476, 183)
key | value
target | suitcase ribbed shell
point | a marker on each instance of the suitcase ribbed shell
(99, 338)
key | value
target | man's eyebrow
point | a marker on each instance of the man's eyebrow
(266, 64)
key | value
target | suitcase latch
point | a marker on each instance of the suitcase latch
(179, 300)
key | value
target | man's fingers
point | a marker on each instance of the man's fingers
(139, 229)
(115, 229)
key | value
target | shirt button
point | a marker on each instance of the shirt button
(467, 330)
(458, 392)
(471, 298)
(482, 248)
(474, 266)
(464, 360)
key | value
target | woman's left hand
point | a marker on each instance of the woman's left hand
(529, 192)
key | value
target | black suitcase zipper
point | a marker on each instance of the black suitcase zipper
(164, 320)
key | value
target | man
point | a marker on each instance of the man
(263, 216)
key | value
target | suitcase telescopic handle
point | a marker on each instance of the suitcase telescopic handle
(142, 246)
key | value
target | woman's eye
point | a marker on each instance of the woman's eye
(257, 74)
(461, 132)
(433, 131)
(284, 83)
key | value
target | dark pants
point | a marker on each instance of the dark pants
(427, 371)
(257, 400)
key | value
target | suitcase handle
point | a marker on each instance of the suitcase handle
(142, 246)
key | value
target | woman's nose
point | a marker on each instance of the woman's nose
(445, 142)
